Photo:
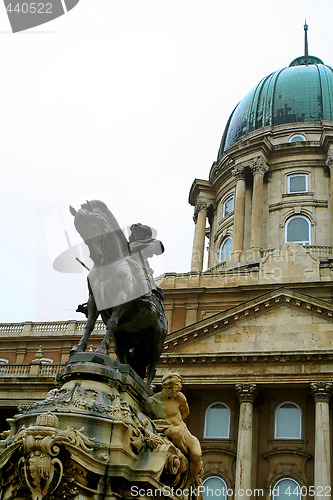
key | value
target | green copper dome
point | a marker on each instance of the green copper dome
(303, 92)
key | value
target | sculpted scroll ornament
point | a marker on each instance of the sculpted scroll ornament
(246, 392)
(40, 470)
(322, 390)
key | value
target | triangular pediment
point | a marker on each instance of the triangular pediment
(281, 321)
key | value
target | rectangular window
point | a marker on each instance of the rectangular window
(228, 206)
(298, 183)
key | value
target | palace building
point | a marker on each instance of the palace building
(252, 334)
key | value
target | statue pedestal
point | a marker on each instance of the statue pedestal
(89, 439)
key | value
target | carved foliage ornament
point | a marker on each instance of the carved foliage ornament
(202, 206)
(246, 392)
(322, 391)
(259, 166)
(238, 172)
(40, 470)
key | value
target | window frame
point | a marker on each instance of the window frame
(223, 482)
(231, 196)
(300, 421)
(275, 497)
(205, 421)
(225, 239)
(292, 137)
(298, 174)
(297, 216)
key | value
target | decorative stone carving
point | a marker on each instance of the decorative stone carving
(259, 166)
(40, 468)
(202, 206)
(246, 392)
(322, 391)
(169, 407)
(47, 454)
(329, 161)
(238, 172)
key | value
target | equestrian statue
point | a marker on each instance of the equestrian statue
(122, 289)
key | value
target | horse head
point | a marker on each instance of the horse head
(100, 231)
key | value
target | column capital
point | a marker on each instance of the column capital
(238, 172)
(321, 391)
(202, 206)
(259, 166)
(329, 161)
(246, 392)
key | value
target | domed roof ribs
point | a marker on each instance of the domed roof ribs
(273, 82)
(302, 93)
(326, 91)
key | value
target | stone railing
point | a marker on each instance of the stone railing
(43, 329)
(30, 369)
(318, 250)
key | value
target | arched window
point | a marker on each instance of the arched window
(226, 249)
(217, 421)
(228, 206)
(286, 489)
(298, 183)
(214, 487)
(297, 230)
(288, 421)
(297, 138)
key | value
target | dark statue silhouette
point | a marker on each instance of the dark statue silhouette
(122, 289)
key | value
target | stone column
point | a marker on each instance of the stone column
(200, 214)
(322, 459)
(259, 167)
(246, 395)
(239, 209)
(329, 164)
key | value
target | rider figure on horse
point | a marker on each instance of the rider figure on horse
(141, 240)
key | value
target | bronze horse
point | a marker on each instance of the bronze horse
(122, 291)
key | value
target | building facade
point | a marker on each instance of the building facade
(252, 334)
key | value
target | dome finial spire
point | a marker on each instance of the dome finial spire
(306, 50)
(306, 59)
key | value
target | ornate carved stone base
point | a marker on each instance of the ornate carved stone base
(89, 439)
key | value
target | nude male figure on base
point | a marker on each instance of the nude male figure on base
(170, 405)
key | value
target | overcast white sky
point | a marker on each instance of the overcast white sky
(125, 101)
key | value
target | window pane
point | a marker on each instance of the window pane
(226, 249)
(286, 489)
(217, 423)
(298, 230)
(297, 138)
(228, 206)
(288, 422)
(297, 184)
(214, 487)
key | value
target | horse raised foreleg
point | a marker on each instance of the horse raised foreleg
(92, 318)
